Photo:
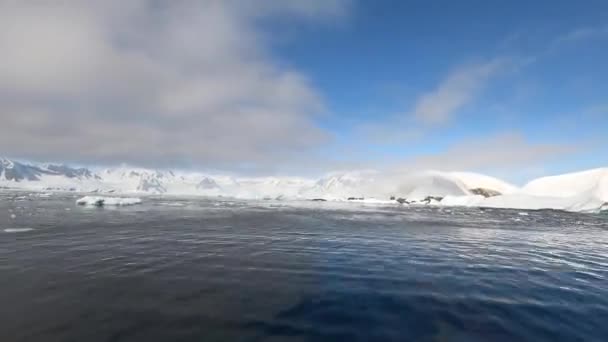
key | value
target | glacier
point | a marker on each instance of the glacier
(585, 191)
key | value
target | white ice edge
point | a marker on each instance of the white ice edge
(103, 201)
(17, 230)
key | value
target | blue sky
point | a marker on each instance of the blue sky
(388, 54)
(515, 89)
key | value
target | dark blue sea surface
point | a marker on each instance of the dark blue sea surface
(176, 269)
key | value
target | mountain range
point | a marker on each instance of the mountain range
(580, 191)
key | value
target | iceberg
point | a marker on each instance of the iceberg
(18, 230)
(103, 201)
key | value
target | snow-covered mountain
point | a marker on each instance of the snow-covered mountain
(585, 191)
(16, 171)
(341, 185)
(586, 183)
(14, 174)
(582, 191)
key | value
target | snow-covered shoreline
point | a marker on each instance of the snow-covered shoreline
(585, 191)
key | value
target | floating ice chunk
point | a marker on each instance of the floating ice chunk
(17, 230)
(103, 201)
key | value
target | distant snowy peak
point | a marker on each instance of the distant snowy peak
(341, 185)
(207, 184)
(132, 173)
(430, 183)
(345, 180)
(64, 170)
(11, 170)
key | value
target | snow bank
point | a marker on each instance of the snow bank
(463, 201)
(591, 183)
(102, 201)
(373, 201)
(522, 201)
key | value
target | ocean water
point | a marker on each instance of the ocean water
(176, 269)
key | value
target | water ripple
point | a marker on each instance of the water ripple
(210, 270)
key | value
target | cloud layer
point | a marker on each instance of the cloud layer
(144, 81)
(458, 89)
(499, 152)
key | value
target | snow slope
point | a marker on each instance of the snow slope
(585, 191)
(591, 183)
(430, 183)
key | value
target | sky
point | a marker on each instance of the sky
(514, 89)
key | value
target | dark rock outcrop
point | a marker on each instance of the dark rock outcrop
(428, 199)
(485, 192)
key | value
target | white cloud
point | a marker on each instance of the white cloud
(458, 89)
(581, 34)
(438, 106)
(498, 152)
(142, 80)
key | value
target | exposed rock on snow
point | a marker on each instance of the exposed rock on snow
(485, 192)
(103, 201)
